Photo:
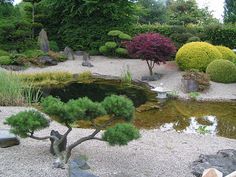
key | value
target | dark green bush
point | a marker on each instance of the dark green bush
(119, 107)
(194, 39)
(25, 123)
(120, 134)
(34, 53)
(53, 46)
(222, 71)
(5, 60)
(4, 53)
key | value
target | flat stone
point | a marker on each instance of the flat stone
(232, 174)
(212, 172)
(8, 139)
(224, 161)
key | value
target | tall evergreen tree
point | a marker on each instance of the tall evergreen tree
(230, 11)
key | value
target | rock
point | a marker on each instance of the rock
(212, 172)
(46, 60)
(223, 161)
(86, 59)
(153, 77)
(190, 85)
(77, 166)
(13, 67)
(232, 174)
(62, 146)
(68, 52)
(43, 41)
(8, 139)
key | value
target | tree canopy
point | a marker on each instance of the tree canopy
(230, 11)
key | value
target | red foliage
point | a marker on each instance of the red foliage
(151, 46)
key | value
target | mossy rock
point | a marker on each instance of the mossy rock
(197, 55)
(111, 45)
(222, 71)
(227, 53)
(5, 60)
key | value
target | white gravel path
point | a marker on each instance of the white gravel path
(138, 68)
(155, 154)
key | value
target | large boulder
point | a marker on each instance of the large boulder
(8, 139)
(223, 160)
(43, 41)
(69, 53)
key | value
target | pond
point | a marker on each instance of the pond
(216, 118)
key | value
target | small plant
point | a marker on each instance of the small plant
(114, 47)
(203, 129)
(152, 47)
(193, 95)
(126, 76)
(26, 123)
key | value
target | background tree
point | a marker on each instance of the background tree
(230, 11)
(154, 11)
(151, 47)
(26, 123)
(183, 12)
(33, 2)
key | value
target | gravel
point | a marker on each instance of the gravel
(155, 154)
(171, 76)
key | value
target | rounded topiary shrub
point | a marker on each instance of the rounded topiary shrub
(111, 45)
(222, 71)
(227, 53)
(121, 52)
(197, 55)
(5, 60)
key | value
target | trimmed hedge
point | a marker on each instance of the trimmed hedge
(197, 55)
(227, 53)
(222, 71)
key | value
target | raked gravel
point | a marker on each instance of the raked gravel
(155, 154)
(171, 76)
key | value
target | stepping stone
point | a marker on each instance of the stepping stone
(8, 139)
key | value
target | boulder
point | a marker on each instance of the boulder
(232, 174)
(223, 160)
(77, 167)
(43, 41)
(212, 172)
(69, 53)
(46, 60)
(62, 146)
(8, 139)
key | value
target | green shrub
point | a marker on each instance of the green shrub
(197, 55)
(124, 36)
(119, 107)
(222, 71)
(121, 52)
(4, 53)
(24, 123)
(114, 33)
(120, 134)
(34, 53)
(227, 53)
(110, 45)
(57, 56)
(104, 50)
(193, 39)
(5, 60)
(53, 46)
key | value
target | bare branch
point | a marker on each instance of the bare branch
(42, 138)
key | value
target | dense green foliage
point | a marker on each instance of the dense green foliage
(227, 53)
(197, 55)
(25, 123)
(120, 134)
(230, 11)
(5, 60)
(222, 71)
(119, 107)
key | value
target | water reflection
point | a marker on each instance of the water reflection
(203, 125)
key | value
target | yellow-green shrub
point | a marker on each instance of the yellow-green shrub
(227, 53)
(197, 55)
(222, 71)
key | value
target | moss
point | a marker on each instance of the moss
(5, 60)
(222, 71)
(197, 55)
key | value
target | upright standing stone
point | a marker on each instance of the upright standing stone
(43, 41)
(69, 53)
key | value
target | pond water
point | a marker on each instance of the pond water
(216, 118)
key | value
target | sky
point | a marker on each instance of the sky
(216, 6)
